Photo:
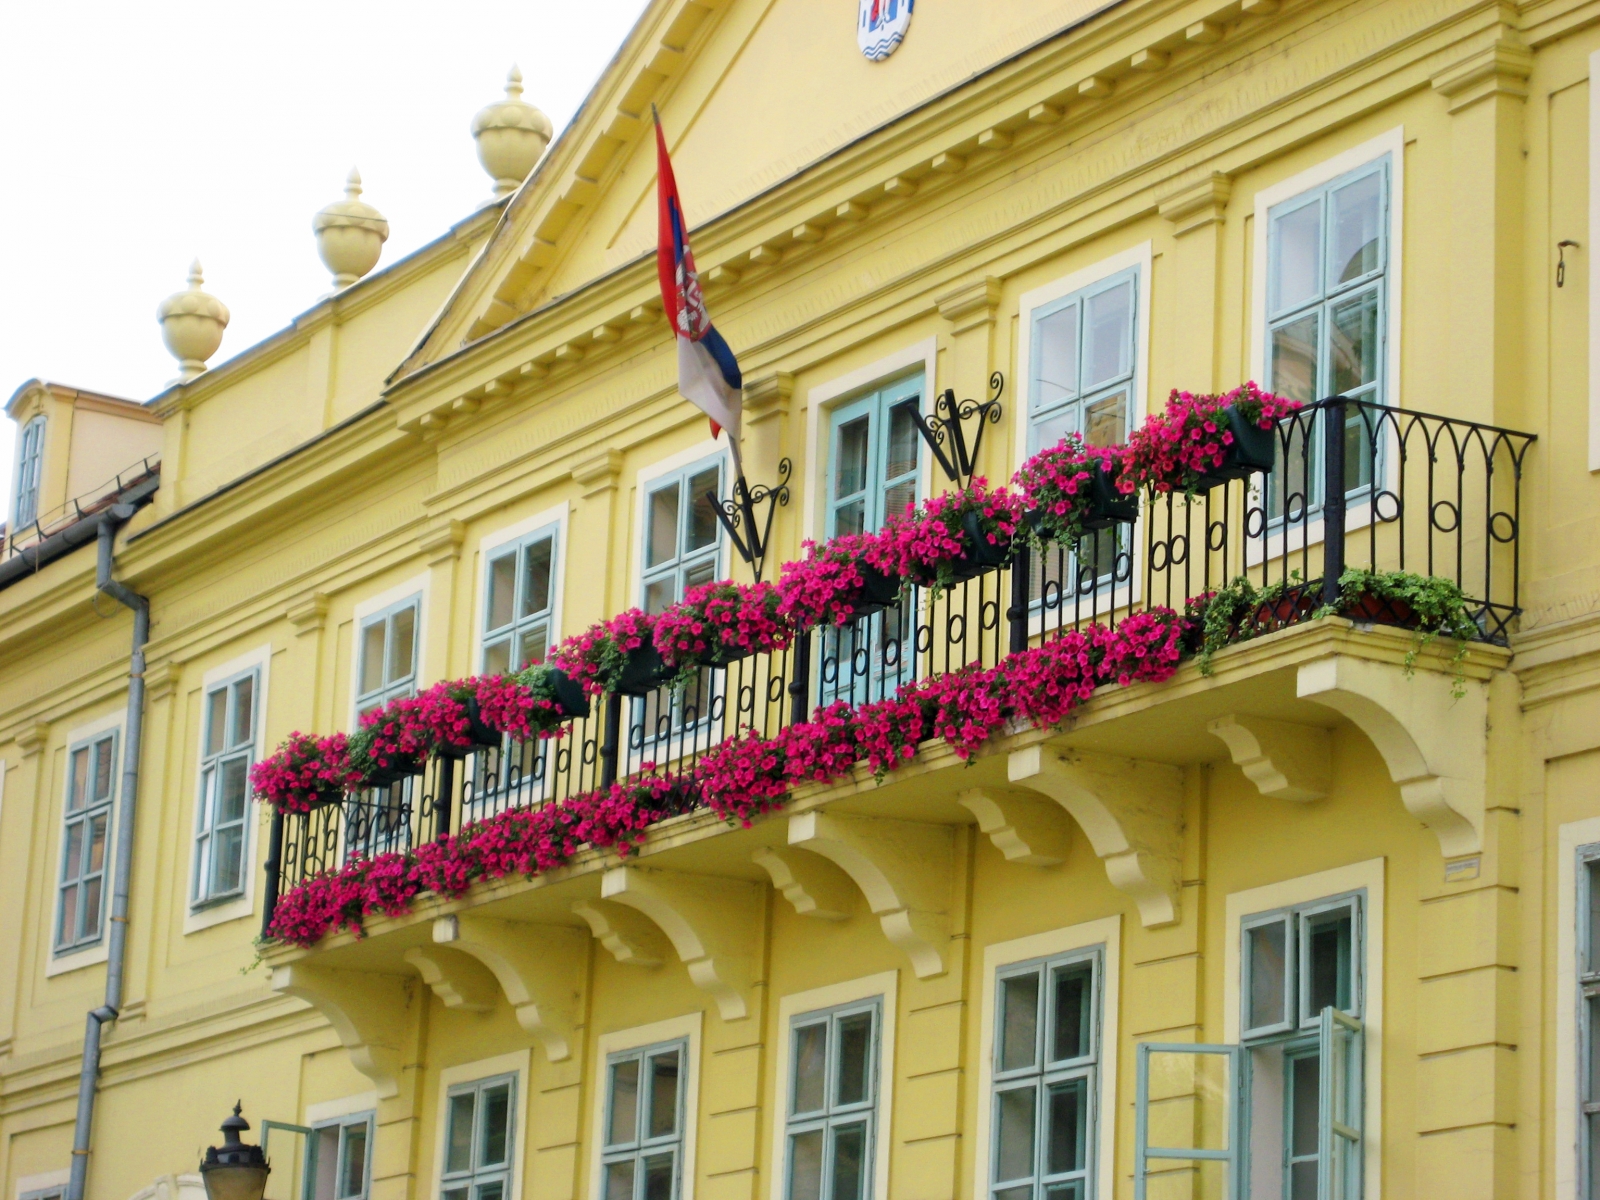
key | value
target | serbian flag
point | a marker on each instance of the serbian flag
(708, 374)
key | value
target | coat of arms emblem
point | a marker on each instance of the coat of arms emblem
(882, 27)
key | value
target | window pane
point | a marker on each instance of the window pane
(325, 1177)
(702, 572)
(1593, 1093)
(235, 789)
(216, 721)
(1354, 340)
(1303, 1100)
(495, 1190)
(497, 658)
(850, 518)
(663, 1095)
(502, 590)
(532, 645)
(1065, 1191)
(496, 1124)
(372, 657)
(1294, 359)
(850, 472)
(1058, 356)
(1068, 1127)
(1014, 1143)
(226, 855)
(90, 926)
(1329, 939)
(855, 1059)
(899, 498)
(901, 458)
(69, 916)
(352, 1179)
(1105, 421)
(1296, 267)
(1019, 1023)
(1108, 346)
(849, 1149)
(1357, 208)
(660, 592)
(1050, 429)
(1592, 964)
(1073, 988)
(403, 646)
(78, 789)
(661, 526)
(97, 845)
(619, 1180)
(1303, 1181)
(537, 560)
(810, 1065)
(702, 511)
(805, 1165)
(459, 1193)
(1268, 949)
(1015, 1193)
(72, 852)
(244, 712)
(458, 1137)
(102, 770)
(658, 1177)
(623, 1125)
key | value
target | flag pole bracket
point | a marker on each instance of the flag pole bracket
(945, 433)
(751, 538)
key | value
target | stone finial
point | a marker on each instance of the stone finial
(350, 234)
(191, 325)
(511, 135)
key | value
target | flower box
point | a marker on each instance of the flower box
(1251, 452)
(1380, 611)
(480, 736)
(1108, 506)
(879, 590)
(643, 671)
(1280, 612)
(401, 767)
(568, 694)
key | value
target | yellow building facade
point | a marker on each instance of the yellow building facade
(935, 986)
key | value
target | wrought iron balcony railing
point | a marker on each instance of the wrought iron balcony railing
(1356, 484)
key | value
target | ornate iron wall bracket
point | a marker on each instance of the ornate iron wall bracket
(740, 511)
(958, 460)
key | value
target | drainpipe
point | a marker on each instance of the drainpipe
(118, 946)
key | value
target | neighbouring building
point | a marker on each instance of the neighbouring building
(1361, 878)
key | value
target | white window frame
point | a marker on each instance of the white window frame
(516, 1065)
(30, 472)
(1391, 143)
(557, 520)
(387, 690)
(90, 950)
(1104, 935)
(636, 1149)
(43, 1185)
(515, 549)
(385, 604)
(687, 1029)
(882, 988)
(1574, 843)
(205, 817)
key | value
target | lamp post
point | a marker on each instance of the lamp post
(235, 1171)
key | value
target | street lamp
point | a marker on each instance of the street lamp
(235, 1171)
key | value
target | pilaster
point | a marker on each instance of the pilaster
(441, 544)
(1196, 211)
(592, 524)
(971, 310)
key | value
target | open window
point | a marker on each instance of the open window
(339, 1164)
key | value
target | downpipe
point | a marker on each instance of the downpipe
(117, 947)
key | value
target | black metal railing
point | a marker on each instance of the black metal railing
(1355, 484)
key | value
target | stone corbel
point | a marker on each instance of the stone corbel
(903, 868)
(161, 679)
(1285, 761)
(627, 936)
(457, 979)
(710, 921)
(540, 969)
(1198, 204)
(810, 884)
(32, 737)
(1434, 744)
(970, 305)
(367, 1010)
(1501, 68)
(442, 543)
(1130, 810)
(308, 613)
(598, 473)
(1025, 829)
(767, 396)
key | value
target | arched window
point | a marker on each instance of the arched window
(30, 462)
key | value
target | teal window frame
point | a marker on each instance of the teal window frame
(1081, 394)
(479, 1176)
(30, 471)
(1323, 305)
(834, 1115)
(1588, 972)
(525, 621)
(87, 807)
(876, 406)
(349, 1139)
(686, 566)
(225, 761)
(1045, 1075)
(389, 805)
(641, 1143)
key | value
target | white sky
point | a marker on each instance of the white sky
(137, 136)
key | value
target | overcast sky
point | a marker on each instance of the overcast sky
(137, 136)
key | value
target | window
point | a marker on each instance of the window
(1589, 1007)
(387, 665)
(91, 790)
(479, 1139)
(30, 468)
(1046, 1059)
(222, 830)
(340, 1158)
(833, 1100)
(1287, 1102)
(50, 1193)
(642, 1154)
(518, 599)
(874, 472)
(1326, 289)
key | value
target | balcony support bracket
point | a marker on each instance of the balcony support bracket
(814, 886)
(904, 869)
(627, 936)
(1025, 829)
(540, 969)
(1130, 810)
(1434, 744)
(711, 922)
(1284, 760)
(369, 1012)
(459, 981)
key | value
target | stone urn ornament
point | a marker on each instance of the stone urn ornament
(511, 135)
(191, 325)
(350, 234)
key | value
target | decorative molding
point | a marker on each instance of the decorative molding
(367, 1010)
(1025, 829)
(1130, 810)
(1198, 204)
(161, 679)
(1500, 69)
(628, 936)
(308, 613)
(767, 396)
(31, 737)
(972, 304)
(458, 979)
(813, 886)
(1285, 761)
(442, 543)
(598, 473)
(540, 969)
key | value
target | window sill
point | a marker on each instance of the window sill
(64, 961)
(197, 919)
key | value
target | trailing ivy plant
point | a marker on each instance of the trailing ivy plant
(1438, 604)
(1225, 614)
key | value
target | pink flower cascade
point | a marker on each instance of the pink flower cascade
(1055, 486)
(749, 776)
(821, 589)
(304, 772)
(927, 545)
(1171, 451)
(722, 620)
(517, 706)
(595, 657)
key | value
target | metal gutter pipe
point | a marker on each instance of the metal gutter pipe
(89, 1075)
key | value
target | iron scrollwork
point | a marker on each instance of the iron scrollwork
(958, 460)
(740, 511)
